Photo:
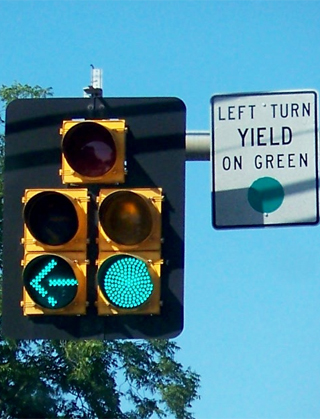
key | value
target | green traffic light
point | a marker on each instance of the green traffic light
(125, 281)
(50, 281)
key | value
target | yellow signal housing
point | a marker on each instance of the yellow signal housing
(55, 248)
(129, 261)
(130, 219)
(55, 219)
(93, 151)
(128, 283)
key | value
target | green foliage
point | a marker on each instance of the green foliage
(89, 379)
(23, 91)
(24, 391)
(93, 379)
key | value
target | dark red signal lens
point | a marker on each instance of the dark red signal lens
(89, 148)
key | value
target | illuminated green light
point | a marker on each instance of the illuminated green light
(125, 281)
(62, 282)
(50, 281)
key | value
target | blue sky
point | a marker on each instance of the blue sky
(252, 297)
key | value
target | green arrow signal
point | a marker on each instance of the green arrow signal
(50, 281)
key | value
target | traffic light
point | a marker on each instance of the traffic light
(129, 263)
(54, 262)
(93, 151)
(102, 182)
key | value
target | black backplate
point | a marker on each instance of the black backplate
(155, 158)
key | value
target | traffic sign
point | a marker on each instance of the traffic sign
(265, 159)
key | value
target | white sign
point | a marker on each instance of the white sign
(265, 159)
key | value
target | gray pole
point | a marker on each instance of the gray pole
(198, 146)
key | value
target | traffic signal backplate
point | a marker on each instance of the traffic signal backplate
(155, 158)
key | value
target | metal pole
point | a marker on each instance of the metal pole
(198, 146)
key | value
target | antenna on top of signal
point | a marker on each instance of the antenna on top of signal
(95, 88)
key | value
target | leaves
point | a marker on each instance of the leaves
(23, 91)
(24, 393)
(93, 379)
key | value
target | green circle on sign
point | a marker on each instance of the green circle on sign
(265, 195)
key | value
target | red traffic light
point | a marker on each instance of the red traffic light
(93, 151)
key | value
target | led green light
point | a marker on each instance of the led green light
(125, 281)
(50, 281)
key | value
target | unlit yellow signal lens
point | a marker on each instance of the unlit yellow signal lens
(126, 218)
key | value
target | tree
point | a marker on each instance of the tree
(91, 379)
